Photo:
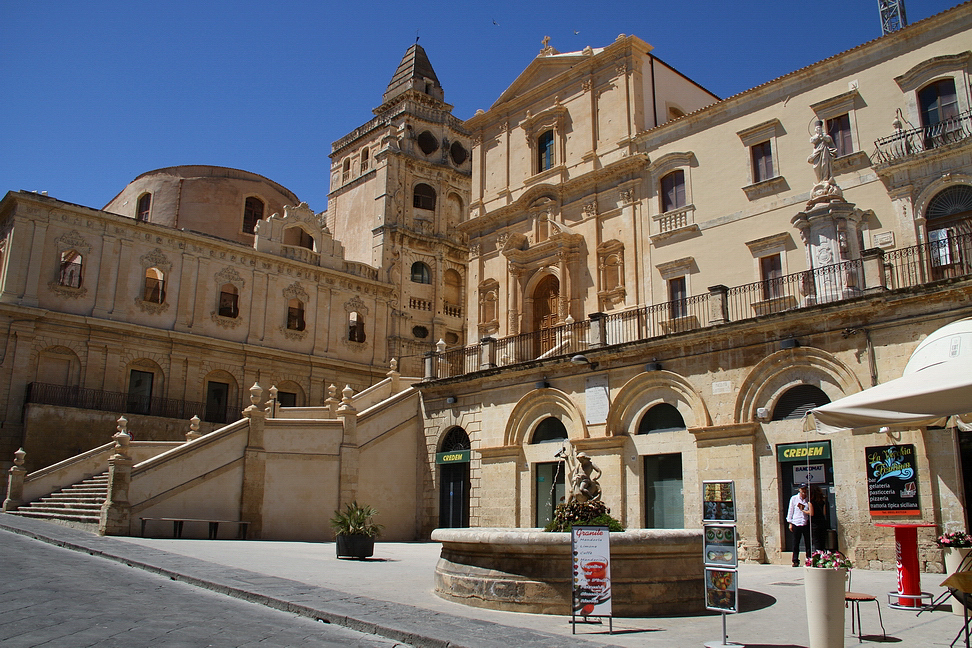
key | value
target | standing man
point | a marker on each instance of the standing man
(798, 515)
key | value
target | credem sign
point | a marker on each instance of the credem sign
(455, 456)
(803, 451)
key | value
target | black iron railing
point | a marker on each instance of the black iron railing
(905, 143)
(948, 258)
(106, 401)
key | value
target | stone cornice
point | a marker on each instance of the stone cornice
(720, 435)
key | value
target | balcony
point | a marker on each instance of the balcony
(105, 401)
(907, 143)
(904, 268)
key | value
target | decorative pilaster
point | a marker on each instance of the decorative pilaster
(116, 511)
(15, 483)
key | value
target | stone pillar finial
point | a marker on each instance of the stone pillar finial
(256, 392)
(394, 376)
(122, 438)
(193, 432)
(15, 483)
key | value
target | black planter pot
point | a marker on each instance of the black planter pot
(355, 546)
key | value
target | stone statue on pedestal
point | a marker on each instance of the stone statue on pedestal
(822, 159)
(582, 475)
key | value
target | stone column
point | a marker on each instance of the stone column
(15, 483)
(254, 465)
(718, 304)
(348, 489)
(875, 276)
(487, 353)
(598, 335)
(117, 510)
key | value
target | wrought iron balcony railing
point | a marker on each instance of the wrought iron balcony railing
(904, 268)
(106, 401)
(905, 143)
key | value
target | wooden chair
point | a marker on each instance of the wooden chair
(855, 599)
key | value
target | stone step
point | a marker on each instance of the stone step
(60, 506)
(71, 517)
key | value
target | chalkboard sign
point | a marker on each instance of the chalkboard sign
(892, 480)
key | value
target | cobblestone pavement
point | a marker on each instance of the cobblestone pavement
(54, 597)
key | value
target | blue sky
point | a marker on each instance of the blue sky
(96, 93)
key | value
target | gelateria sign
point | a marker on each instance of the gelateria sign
(892, 480)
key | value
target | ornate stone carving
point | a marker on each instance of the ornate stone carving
(226, 322)
(230, 276)
(296, 291)
(151, 307)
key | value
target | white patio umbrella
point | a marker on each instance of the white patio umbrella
(936, 384)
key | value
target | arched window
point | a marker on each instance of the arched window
(298, 237)
(229, 298)
(550, 430)
(795, 402)
(949, 221)
(143, 207)
(673, 190)
(252, 212)
(423, 197)
(545, 151)
(70, 272)
(421, 273)
(364, 159)
(154, 286)
(662, 417)
(356, 332)
(346, 170)
(295, 315)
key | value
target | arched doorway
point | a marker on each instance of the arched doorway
(948, 217)
(551, 487)
(546, 297)
(453, 460)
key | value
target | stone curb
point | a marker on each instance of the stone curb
(411, 625)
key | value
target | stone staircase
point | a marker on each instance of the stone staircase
(77, 506)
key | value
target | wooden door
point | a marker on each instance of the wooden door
(546, 299)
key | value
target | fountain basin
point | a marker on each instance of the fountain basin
(654, 572)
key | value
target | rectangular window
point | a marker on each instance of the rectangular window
(771, 274)
(762, 161)
(678, 295)
(839, 130)
(140, 392)
(673, 190)
(545, 149)
(217, 401)
(228, 304)
(664, 503)
(551, 490)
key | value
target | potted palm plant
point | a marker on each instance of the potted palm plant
(355, 531)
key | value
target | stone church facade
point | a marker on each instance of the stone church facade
(610, 256)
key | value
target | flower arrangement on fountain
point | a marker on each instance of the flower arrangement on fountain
(590, 513)
(828, 560)
(954, 539)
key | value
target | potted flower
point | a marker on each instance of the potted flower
(955, 547)
(355, 531)
(825, 577)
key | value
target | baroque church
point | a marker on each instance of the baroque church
(610, 258)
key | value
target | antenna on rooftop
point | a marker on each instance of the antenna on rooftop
(892, 16)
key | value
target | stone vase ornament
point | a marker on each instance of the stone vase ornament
(824, 588)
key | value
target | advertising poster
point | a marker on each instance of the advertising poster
(590, 548)
(892, 480)
(718, 501)
(721, 590)
(720, 545)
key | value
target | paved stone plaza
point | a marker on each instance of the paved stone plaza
(389, 597)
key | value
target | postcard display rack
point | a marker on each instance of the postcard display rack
(721, 560)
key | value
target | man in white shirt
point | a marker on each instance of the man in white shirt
(798, 515)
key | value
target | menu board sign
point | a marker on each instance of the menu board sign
(892, 480)
(718, 501)
(721, 590)
(590, 548)
(720, 545)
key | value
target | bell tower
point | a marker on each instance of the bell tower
(399, 186)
